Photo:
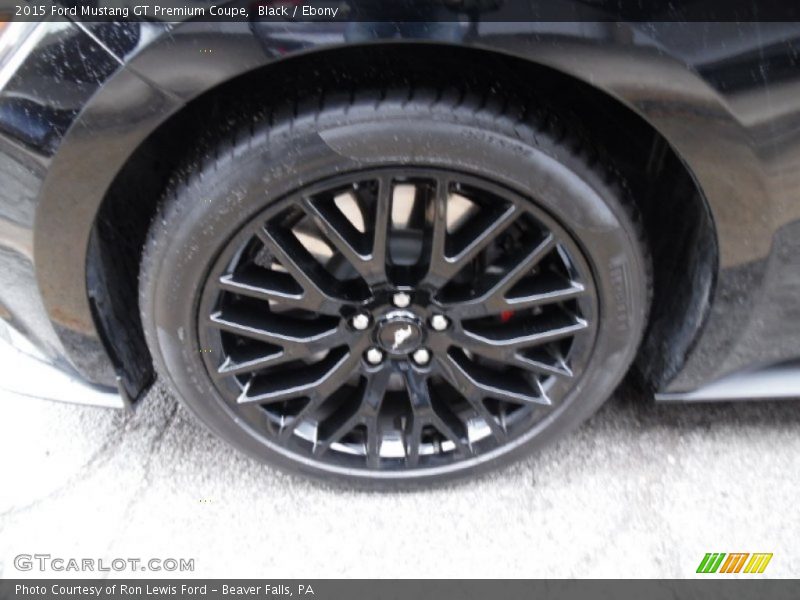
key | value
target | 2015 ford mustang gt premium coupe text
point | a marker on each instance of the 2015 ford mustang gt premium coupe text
(386, 252)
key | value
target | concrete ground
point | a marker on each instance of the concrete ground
(640, 491)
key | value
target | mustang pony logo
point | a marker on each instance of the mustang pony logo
(401, 335)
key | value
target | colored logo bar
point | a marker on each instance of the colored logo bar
(721, 562)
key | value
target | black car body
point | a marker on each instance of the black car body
(703, 119)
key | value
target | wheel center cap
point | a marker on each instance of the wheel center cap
(399, 333)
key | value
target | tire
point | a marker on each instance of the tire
(229, 283)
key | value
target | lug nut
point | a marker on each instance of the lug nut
(401, 299)
(360, 321)
(439, 322)
(421, 356)
(374, 356)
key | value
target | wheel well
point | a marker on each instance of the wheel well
(677, 220)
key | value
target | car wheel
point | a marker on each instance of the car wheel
(396, 287)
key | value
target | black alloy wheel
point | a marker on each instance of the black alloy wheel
(392, 319)
(431, 320)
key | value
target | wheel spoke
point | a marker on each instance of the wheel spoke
(509, 350)
(473, 395)
(492, 385)
(260, 291)
(373, 442)
(440, 269)
(528, 261)
(365, 414)
(291, 254)
(423, 413)
(518, 340)
(443, 266)
(561, 369)
(322, 446)
(349, 241)
(494, 301)
(278, 332)
(381, 217)
(491, 230)
(289, 425)
(572, 291)
(314, 383)
(413, 440)
(230, 368)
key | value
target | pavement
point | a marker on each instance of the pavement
(641, 490)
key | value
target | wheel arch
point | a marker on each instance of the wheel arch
(85, 263)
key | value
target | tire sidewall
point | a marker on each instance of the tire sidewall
(220, 198)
